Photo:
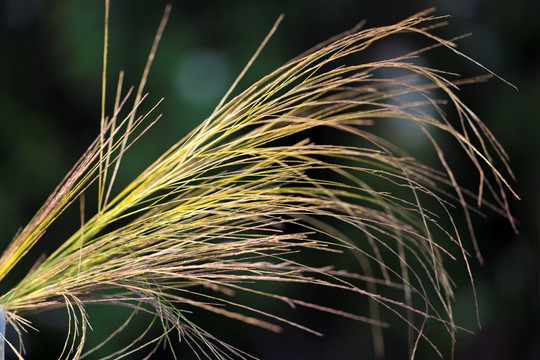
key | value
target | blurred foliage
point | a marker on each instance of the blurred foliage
(50, 71)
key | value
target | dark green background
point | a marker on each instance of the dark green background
(50, 73)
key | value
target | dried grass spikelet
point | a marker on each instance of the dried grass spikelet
(241, 199)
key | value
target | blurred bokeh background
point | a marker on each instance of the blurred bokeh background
(50, 86)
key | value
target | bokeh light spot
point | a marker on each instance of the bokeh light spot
(202, 77)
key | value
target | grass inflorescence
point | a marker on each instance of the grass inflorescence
(248, 197)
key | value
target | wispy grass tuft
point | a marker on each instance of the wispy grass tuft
(247, 198)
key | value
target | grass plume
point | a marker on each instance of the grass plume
(248, 198)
